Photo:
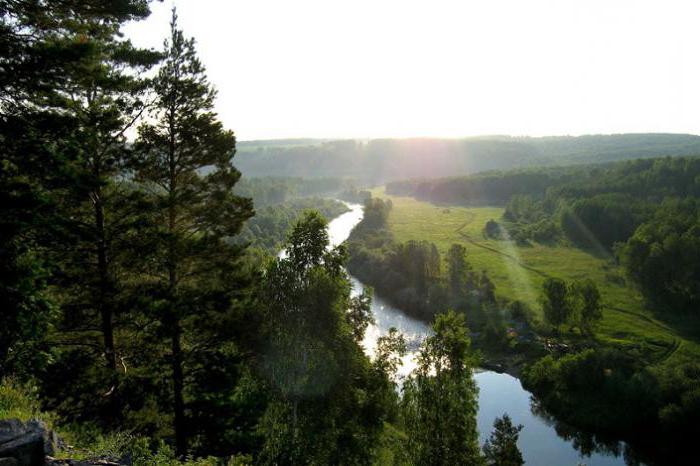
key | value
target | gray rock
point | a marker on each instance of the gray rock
(28, 443)
(68, 462)
(8, 462)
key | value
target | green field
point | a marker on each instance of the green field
(518, 273)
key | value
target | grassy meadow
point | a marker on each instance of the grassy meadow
(518, 273)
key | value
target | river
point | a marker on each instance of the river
(498, 393)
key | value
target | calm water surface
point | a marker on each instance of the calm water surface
(498, 393)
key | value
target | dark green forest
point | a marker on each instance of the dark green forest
(268, 191)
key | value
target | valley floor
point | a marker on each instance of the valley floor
(518, 272)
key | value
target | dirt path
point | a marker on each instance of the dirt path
(517, 261)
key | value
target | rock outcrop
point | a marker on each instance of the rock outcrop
(25, 443)
(100, 462)
(32, 443)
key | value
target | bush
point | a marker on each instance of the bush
(492, 229)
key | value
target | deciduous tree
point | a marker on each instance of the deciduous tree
(440, 399)
(556, 302)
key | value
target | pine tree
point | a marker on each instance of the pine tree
(66, 101)
(32, 63)
(98, 208)
(184, 159)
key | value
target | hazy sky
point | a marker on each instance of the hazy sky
(356, 68)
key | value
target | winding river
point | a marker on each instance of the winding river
(498, 393)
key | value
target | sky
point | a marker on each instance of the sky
(447, 68)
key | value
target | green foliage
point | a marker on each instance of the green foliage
(663, 256)
(556, 303)
(19, 401)
(355, 195)
(71, 88)
(183, 158)
(587, 304)
(360, 313)
(269, 228)
(578, 303)
(142, 454)
(602, 220)
(268, 191)
(27, 310)
(524, 209)
(439, 403)
(376, 213)
(388, 353)
(607, 391)
(679, 406)
(578, 380)
(492, 229)
(459, 271)
(501, 449)
(328, 404)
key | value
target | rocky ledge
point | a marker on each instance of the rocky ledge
(32, 443)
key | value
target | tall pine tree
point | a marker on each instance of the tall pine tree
(184, 158)
(67, 87)
(103, 94)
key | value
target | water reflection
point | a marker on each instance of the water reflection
(544, 440)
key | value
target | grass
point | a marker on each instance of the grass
(19, 401)
(519, 271)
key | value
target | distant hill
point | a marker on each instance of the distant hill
(382, 160)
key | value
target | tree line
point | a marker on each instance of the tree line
(378, 161)
(267, 191)
(267, 230)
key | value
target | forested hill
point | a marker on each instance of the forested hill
(642, 178)
(381, 160)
